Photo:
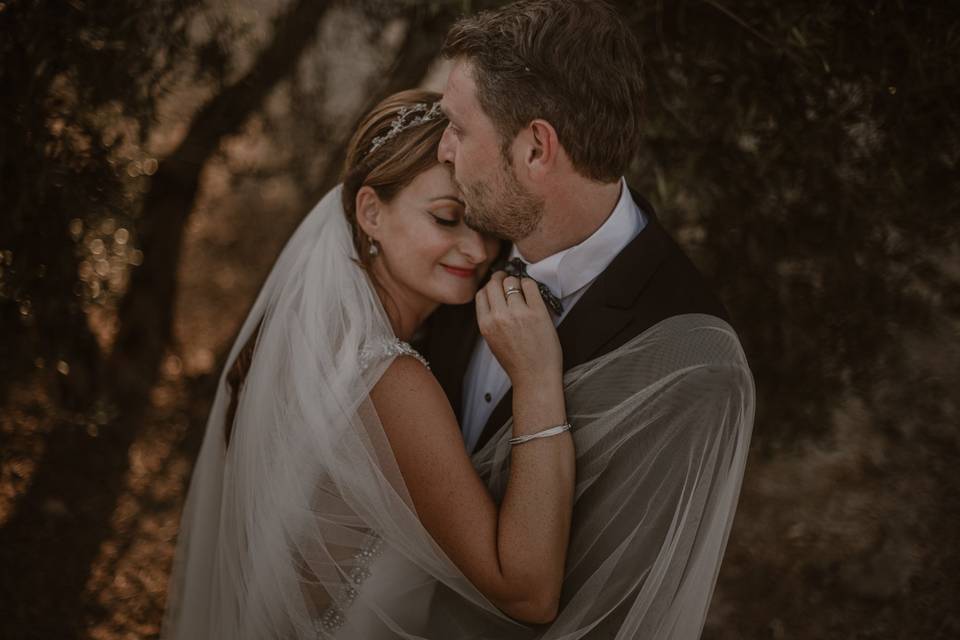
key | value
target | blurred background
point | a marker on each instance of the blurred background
(156, 154)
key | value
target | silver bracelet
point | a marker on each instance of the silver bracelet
(546, 433)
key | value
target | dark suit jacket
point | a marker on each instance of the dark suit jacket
(650, 279)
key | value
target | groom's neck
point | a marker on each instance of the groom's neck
(573, 210)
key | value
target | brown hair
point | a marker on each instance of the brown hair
(388, 169)
(573, 63)
(395, 163)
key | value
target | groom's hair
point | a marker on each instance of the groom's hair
(573, 63)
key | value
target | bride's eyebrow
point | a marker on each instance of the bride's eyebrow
(454, 198)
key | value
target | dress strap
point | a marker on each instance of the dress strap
(402, 348)
(390, 348)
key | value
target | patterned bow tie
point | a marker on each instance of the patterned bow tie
(518, 269)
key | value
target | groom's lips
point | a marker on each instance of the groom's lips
(459, 272)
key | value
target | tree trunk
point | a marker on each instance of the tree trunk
(146, 314)
(59, 524)
(419, 49)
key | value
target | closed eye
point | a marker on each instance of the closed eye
(445, 221)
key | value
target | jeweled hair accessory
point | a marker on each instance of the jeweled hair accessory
(424, 112)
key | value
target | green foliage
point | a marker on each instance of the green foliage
(808, 153)
(82, 82)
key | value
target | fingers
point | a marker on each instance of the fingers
(512, 291)
(495, 296)
(496, 306)
(532, 294)
(497, 277)
(483, 306)
(518, 327)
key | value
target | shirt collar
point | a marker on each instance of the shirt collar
(568, 271)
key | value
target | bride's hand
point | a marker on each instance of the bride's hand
(519, 330)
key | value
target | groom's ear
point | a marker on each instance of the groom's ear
(368, 210)
(544, 145)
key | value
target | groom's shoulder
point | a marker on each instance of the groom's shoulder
(651, 279)
(675, 285)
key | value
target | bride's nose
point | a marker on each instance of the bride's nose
(472, 246)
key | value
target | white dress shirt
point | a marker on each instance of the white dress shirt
(568, 274)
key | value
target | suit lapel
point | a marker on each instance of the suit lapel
(603, 310)
(610, 302)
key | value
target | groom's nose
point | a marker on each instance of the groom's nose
(445, 150)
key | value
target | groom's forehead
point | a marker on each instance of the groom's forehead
(460, 91)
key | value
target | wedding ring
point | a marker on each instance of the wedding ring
(512, 290)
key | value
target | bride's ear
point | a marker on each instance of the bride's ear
(369, 207)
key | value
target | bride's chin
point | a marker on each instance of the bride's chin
(460, 300)
(458, 297)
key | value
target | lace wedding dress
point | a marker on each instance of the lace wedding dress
(379, 571)
(303, 527)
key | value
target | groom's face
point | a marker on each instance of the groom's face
(496, 201)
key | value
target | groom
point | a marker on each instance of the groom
(544, 106)
(543, 100)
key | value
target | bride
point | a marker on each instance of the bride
(332, 455)
(333, 496)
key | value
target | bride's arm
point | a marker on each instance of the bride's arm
(514, 554)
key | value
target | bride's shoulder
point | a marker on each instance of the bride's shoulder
(419, 424)
(407, 385)
(385, 348)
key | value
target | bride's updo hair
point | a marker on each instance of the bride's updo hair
(388, 168)
(394, 163)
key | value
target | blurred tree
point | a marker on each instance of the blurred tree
(807, 154)
(426, 26)
(146, 312)
(151, 201)
(70, 72)
(79, 71)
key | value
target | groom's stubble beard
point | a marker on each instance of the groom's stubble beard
(509, 212)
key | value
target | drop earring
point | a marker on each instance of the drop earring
(374, 250)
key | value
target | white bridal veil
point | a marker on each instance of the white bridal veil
(302, 526)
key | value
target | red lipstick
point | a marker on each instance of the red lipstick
(461, 273)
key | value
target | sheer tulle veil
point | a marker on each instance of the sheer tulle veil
(303, 528)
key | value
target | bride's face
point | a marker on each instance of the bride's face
(426, 248)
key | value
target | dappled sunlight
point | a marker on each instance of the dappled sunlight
(25, 422)
(804, 156)
(128, 578)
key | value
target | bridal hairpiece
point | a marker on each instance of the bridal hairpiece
(424, 112)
